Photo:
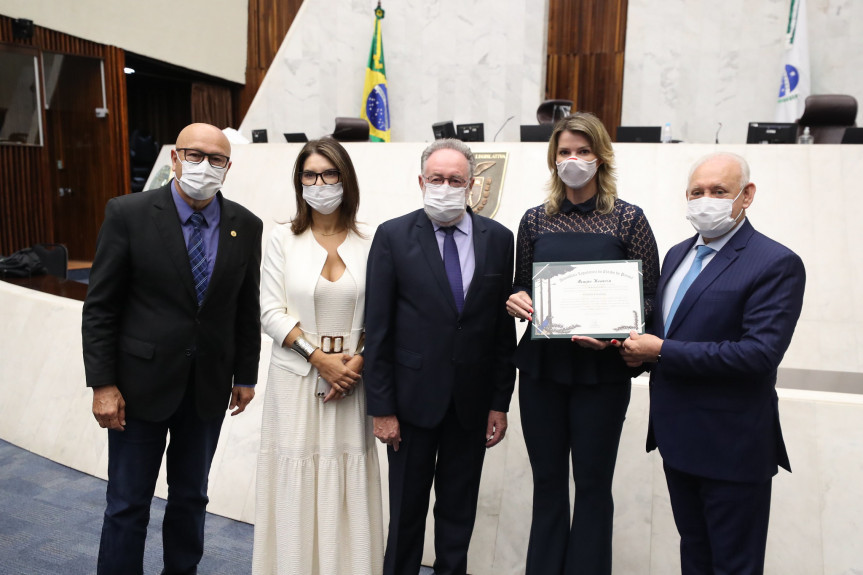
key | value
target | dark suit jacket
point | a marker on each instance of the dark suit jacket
(420, 353)
(713, 405)
(142, 329)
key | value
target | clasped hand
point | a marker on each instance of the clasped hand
(340, 370)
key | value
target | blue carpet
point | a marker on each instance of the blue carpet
(51, 519)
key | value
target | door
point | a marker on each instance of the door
(77, 133)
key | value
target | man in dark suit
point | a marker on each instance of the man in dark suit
(437, 358)
(730, 301)
(171, 334)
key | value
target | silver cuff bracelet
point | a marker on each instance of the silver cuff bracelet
(304, 348)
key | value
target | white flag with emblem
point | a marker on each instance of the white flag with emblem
(795, 83)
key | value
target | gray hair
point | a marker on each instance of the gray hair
(741, 161)
(449, 144)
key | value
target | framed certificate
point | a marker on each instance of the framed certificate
(596, 299)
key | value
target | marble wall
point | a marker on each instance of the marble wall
(699, 64)
(693, 64)
(462, 60)
(814, 527)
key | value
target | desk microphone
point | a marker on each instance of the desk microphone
(501, 128)
(717, 131)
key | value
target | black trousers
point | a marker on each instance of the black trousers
(722, 524)
(581, 422)
(134, 458)
(452, 457)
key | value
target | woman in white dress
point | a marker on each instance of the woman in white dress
(318, 504)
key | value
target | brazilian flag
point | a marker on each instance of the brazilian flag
(376, 105)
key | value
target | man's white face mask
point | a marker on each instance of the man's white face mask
(201, 181)
(711, 217)
(443, 203)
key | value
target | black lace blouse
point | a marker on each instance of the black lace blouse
(580, 233)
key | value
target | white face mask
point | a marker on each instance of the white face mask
(443, 203)
(711, 217)
(324, 199)
(201, 181)
(576, 173)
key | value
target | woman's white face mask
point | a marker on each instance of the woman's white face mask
(576, 173)
(324, 199)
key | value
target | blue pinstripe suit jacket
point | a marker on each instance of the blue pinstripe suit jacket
(713, 405)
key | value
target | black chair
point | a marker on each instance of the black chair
(853, 136)
(351, 130)
(55, 258)
(827, 116)
(143, 150)
(551, 111)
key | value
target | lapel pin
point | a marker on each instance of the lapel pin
(233, 234)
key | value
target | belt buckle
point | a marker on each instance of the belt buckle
(332, 343)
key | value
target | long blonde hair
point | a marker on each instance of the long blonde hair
(591, 128)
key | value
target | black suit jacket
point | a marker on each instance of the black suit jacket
(421, 354)
(142, 328)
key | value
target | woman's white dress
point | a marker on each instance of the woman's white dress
(318, 504)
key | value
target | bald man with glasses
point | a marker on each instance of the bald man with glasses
(171, 336)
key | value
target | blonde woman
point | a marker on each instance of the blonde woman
(573, 395)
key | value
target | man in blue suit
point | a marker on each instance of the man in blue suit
(730, 298)
(437, 358)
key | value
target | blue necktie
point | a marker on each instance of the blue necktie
(453, 267)
(197, 256)
(694, 270)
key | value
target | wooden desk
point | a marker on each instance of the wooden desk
(52, 285)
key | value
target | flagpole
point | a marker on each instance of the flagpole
(375, 106)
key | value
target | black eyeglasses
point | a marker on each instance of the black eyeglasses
(454, 181)
(309, 178)
(194, 156)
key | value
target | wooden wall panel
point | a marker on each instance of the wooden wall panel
(211, 104)
(269, 22)
(29, 178)
(21, 169)
(586, 44)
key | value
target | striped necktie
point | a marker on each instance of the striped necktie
(197, 256)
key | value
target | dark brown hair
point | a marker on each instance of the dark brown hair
(335, 153)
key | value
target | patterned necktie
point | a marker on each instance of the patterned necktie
(453, 267)
(694, 270)
(197, 256)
